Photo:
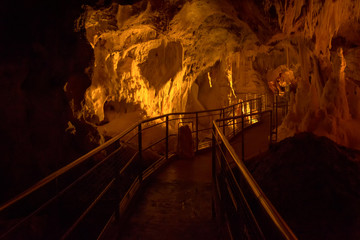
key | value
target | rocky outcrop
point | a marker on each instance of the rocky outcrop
(322, 48)
(153, 53)
(40, 52)
(314, 184)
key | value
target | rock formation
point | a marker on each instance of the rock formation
(167, 56)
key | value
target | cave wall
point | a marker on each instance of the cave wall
(171, 56)
(67, 67)
(40, 52)
(326, 100)
(160, 55)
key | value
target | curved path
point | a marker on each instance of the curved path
(176, 204)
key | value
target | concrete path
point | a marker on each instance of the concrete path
(256, 139)
(176, 204)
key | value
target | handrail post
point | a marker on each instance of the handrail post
(223, 115)
(260, 105)
(242, 139)
(140, 151)
(271, 131)
(197, 131)
(213, 167)
(213, 153)
(167, 138)
(262, 202)
(234, 120)
(273, 109)
(251, 107)
(276, 115)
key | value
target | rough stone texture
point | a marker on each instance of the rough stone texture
(40, 52)
(325, 102)
(162, 64)
(153, 53)
(314, 184)
(112, 62)
(182, 55)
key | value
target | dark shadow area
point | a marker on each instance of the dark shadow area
(314, 184)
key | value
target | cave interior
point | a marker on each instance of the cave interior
(75, 74)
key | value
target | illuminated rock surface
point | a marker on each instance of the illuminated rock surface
(326, 100)
(60, 88)
(162, 57)
(180, 56)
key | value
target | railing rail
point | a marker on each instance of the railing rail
(65, 169)
(242, 200)
(119, 163)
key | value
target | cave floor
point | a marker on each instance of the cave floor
(256, 139)
(176, 204)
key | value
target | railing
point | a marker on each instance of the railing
(240, 202)
(82, 199)
(280, 108)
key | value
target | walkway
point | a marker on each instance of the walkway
(256, 139)
(176, 204)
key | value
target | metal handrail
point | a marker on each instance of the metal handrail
(65, 169)
(265, 203)
(136, 127)
(98, 149)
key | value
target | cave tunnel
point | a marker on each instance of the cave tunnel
(156, 119)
